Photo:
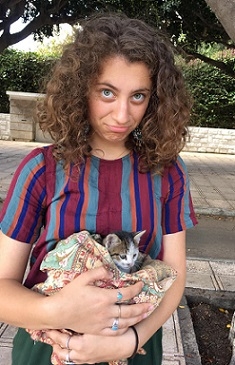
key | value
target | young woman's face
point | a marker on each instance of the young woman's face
(118, 99)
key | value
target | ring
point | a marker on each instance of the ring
(68, 340)
(65, 362)
(115, 324)
(119, 296)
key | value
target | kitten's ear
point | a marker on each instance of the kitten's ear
(111, 240)
(138, 236)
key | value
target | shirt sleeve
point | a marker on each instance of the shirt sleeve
(23, 210)
(177, 209)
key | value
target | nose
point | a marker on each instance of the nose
(121, 112)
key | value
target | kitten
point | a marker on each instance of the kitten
(123, 248)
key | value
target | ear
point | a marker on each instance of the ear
(138, 236)
(111, 240)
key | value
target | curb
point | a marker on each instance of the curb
(189, 342)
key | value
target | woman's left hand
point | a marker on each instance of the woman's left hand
(89, 349)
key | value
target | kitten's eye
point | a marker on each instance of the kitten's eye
(123, 257)
(107, 94)
(135, 255)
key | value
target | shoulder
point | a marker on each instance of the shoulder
(37, 158)
(176, 170)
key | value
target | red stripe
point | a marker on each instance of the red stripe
(109, 217)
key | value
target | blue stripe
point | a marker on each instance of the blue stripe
(137, 194)
(81, 200)
(180, 196)
(38, 211)
(26, 200)
(63, 208)
(151, 209)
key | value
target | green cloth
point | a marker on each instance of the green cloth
(25, 352)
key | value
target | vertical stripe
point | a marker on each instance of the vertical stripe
(109, 215)
(57, 200)
(38, 212)
(181, 206)
(148, 219)
(23, 202)
(91, 181)
(137, 195)
(127, 217)
(80, 202)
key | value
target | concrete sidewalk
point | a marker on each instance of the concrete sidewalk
(212, 179)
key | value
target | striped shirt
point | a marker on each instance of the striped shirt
(45, 203)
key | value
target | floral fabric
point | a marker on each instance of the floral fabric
(79, 253)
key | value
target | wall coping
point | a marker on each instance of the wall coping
(19, 95)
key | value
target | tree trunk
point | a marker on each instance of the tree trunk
(225, 12)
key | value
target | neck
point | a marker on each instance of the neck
(108, 151)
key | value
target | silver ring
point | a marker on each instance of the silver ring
(115, 324)
(65, 362)
(68, 341)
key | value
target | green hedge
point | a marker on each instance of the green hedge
(214, 95)
(213, 91)
(21, 71)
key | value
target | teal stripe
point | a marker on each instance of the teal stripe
(17, 194)
(157, 183)
(59, 187)
(93, 183)
(125, 195)
(187, 212)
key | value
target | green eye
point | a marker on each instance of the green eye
(139, 97)
(107, 93)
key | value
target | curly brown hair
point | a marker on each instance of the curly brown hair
(64, 112)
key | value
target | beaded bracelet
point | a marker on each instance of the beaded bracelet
(136, 342)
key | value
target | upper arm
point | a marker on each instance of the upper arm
(174, 251)
(14, 257)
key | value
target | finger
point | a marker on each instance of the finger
(63, 354)
(91, 276)
(133, 310)
(124, 294)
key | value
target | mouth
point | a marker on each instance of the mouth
(118, 129)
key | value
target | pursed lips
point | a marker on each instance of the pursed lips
(117, 129)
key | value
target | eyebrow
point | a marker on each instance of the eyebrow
(116, 89)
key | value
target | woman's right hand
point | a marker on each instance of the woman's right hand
(85, 308)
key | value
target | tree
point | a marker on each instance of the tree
(191, 26)
(225, 12)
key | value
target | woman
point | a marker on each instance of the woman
(117, 110)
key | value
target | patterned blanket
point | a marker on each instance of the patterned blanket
(79, 253)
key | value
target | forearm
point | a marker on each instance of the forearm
(22, 307)
(169, 303)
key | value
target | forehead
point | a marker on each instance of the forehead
(119, 72)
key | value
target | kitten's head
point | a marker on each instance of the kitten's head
(123, 248)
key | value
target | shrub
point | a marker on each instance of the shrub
(212, 90)
(21, 71)
(214, 95)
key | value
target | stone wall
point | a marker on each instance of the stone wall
(213, 140)
(21, 125)
(5, 126)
